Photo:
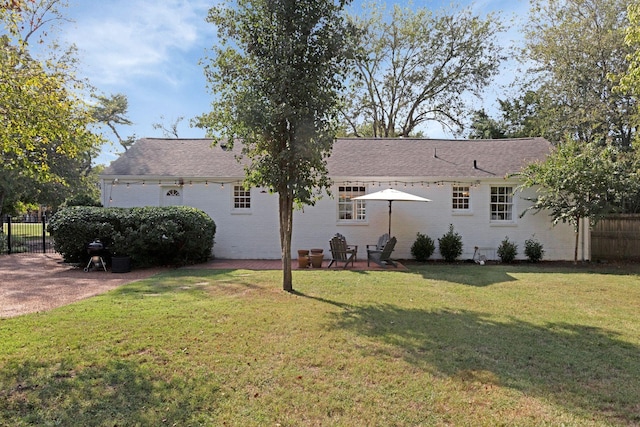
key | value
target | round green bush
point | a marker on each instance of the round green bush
(450, 245)
(533, 250)
(507, 250)
(423, 247)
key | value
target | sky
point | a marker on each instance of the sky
(151, 50)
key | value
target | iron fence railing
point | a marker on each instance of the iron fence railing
(25, 234)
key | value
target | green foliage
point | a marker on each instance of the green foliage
(45, 142)
(174, 235)
(533, 250)
(577, 53)
(507, 250)
(111, 111)
(277, 70)
(415, 66)
(423, 247)
(450, 245)
(81, 200)
(577, 181)
(3, 243)
(484, 127)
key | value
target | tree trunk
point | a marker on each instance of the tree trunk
(575, 250)
(286, 226)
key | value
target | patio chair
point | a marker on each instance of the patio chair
(340, 252)
(382, 240)
(353, 248)
(382, 257)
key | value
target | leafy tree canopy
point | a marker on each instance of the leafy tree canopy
(44, 133)
(276, 77)
(578, 52)
(417, 66)
(578, 180)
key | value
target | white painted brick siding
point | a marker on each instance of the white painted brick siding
(255, 234)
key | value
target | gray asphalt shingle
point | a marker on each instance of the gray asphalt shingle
(351, 157)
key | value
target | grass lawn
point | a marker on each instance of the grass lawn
(25, 229)
(438, 345)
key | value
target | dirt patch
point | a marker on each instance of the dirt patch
(39, 282)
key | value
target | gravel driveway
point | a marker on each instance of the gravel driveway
(38, 282)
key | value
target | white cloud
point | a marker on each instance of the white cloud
(121, 40)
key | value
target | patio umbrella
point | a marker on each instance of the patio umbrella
(390, 195)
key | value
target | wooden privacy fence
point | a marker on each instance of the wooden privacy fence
(616, 237)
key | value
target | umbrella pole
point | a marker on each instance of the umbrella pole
(390, 217)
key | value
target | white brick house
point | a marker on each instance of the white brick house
(467, 181)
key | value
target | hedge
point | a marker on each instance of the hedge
(174, 235)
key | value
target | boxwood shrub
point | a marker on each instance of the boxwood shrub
(175, 235)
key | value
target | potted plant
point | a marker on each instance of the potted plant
(120, 259)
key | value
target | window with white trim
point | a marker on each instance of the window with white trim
(241, 197)
(460, 198)
(502, 203)
(349, 209)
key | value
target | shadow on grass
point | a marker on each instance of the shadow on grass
(469, 274)
(120, 393)
(581, 368)
(472, 274)
(185, 280)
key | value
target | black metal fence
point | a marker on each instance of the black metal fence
(25, 234)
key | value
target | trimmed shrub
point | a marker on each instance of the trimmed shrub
(423, 247)
(450, 245)
(74, 227)
(507, 250)
(533, 250)
(174, 235)
(3, 242)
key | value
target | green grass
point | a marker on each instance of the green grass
(438, 345)
(25, 230)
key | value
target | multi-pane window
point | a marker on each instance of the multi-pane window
(241, 197)
(502, 203)
(460, 198)
(349, 209)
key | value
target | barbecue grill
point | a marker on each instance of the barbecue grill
(96, 251)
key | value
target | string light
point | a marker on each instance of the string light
(375, 183)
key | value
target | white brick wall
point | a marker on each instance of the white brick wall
(255, 234)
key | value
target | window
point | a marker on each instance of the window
(171, 196)
(348, 209)
(501, 203)
(241, 197)
(460, 198)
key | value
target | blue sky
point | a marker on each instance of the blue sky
(150, 50)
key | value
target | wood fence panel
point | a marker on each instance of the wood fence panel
(616, 238)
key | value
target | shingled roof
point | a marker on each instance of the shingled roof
(351, 157)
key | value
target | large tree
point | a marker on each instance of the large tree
(577, 52)
(112, 111)
(276, 76)
(44, 123)
(415, 66)
(528, 115)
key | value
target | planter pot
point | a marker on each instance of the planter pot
(316, 260)
(303, 258)
(316, 251)
(120, 264)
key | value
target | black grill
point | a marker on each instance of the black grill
(97, 252)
